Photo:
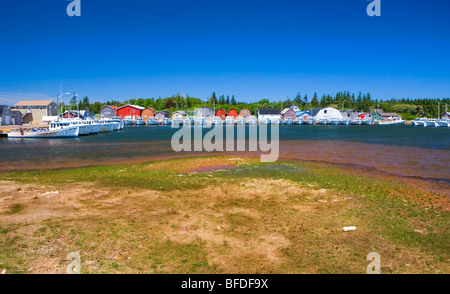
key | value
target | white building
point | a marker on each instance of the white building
(327, 113)
(271, 114)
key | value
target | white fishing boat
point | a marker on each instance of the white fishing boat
(356, 122)
(201, 121)
(128, 120)
(366, 121)
(288, 121)
(167, 121)
(298, 121)
(252, 121)
(217, 121)
(391, 122)
(419, 122)
(265, 121)
(334, 121)
(105, 127)
(442, 123)
(94, 127)
(139, 121)
(229, 120)
(309, 121)
(178, 122)
(118, 120)
(322, 121)
(345, 122)
(430, 123)
(189, 121)
(58, 131)
(152, 121)
(85, 129)
(276, 121)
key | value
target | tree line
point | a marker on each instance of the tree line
(362, 102)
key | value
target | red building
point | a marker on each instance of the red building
(245, 112)
(233, 112)
(364, 115)
(130, 110)
(221, 113)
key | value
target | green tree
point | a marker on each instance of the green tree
(233, 100)
(314, 100)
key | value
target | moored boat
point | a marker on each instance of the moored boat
(345, 122)
(57, 131)
(334, 121)
(391, 122)
(152, 121)
(229, 120)
(288, 121)
(356, 122)
(431, 123)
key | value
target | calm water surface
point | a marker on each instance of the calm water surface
(403, 150)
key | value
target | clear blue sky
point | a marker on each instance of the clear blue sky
(253, 49)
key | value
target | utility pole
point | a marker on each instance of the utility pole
(439, 110)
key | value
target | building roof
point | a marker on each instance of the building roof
(34, 103)
(180, 112)
(112, 106)
(316, 110)
(3, 107)
(299, 113)
(15, 112)
(134, 106)
(286, 110)
(269, 111)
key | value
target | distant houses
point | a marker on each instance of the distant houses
(108, 112)
(148, 113)
(17, 118)
(446, 115)
(205, 112)
(134, 111)
(387, 115)
(349, 114)
(179, 115)
(288, 112)
(6, 116)
(233, 112)
(161, 115)
(35, 111)
(221, 113)
(271, 114)
(326, 113)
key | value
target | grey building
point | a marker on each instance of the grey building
(17, 117)
(349, 114)
(5, 115)
(161, 115)
(108, 112)
(205, 112)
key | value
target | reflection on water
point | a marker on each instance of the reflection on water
(402, 150)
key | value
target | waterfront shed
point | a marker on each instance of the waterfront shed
(233, 112)
(303, 115)
(161, 115)
(288, 112)
(179, 115)
(328, 113)
(17, 117)
(349, 114)
(108, 112)
(5, 115)
(205, 112)
(36, 109)
(269, 113)
(245, 113)
(148, 113)
(446, 115)
(221, 113)
(134, 111)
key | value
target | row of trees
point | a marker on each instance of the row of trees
(408, 108)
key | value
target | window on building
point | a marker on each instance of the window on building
(41, 107)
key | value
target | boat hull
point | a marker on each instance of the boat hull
(70, 132)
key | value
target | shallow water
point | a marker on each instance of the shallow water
(402, 150)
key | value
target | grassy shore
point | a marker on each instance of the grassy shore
(219, 215)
